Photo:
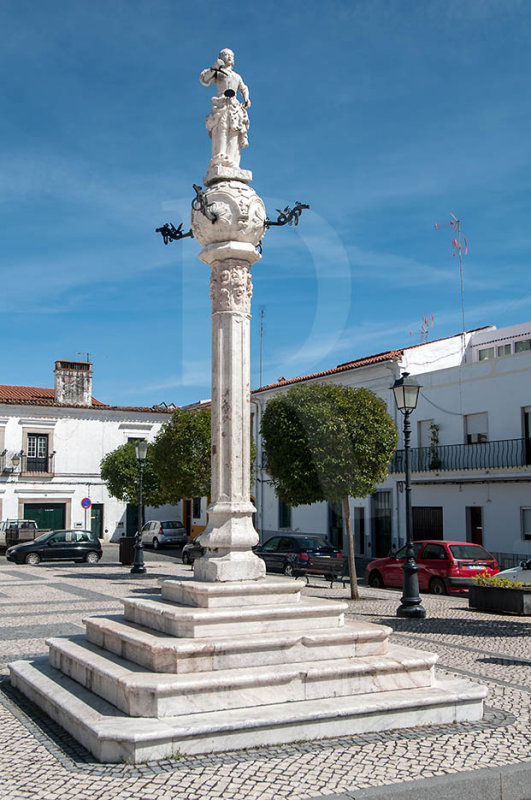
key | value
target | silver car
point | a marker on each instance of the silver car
(161, 533)
(521, 573)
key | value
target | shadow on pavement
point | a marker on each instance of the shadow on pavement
(487, 628)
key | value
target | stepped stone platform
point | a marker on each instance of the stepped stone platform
(205, 667)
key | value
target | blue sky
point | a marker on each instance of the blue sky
(384, 115)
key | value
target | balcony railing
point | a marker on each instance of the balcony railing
(484, 455)
(36, 465)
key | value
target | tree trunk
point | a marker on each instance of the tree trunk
(354, 594)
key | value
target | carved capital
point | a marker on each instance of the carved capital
(231, 287)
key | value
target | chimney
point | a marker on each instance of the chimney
(73, 383)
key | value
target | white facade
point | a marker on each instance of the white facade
(76, 439)
(474, 484)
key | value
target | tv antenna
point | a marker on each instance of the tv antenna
(455, 226)
(427, 324)
(89, 356)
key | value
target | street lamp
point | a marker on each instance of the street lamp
(406, 392)
(138, 564)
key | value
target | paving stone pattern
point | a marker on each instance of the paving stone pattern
(40, 761)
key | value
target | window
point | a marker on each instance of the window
(196, 508)
(272, 545)
(37, 459)
(504, 350)
(526, 523)
(476, 428)
(284, 515)
(402, 552)
(486, 353)
(434, 551)
(522, 346)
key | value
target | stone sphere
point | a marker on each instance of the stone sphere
(240, 213)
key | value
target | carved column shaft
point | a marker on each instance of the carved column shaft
(230, 290)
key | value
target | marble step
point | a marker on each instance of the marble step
(271, 590)
(192, 623)
(161, 653)
(113, 737)
(147, 694)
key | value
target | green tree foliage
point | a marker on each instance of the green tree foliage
(119, 470)
(181, 455)
(328, 442)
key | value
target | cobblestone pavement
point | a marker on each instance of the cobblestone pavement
(39, 761)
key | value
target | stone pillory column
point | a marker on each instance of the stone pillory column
(228, 219)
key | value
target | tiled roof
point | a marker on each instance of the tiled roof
(33, 395)
(389, 355)
(43, 396)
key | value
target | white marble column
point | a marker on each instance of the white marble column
(230, 534)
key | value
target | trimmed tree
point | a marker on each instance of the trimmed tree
(325, 443)
(181, 455)
(119, 470)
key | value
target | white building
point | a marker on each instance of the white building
(471, 440)
(51, 444)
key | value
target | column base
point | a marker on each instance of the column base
(228, 540)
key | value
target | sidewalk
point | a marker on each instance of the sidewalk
(490, 760)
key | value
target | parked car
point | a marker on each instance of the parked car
(191, 551)
(13, 531)
(521, 573)
(161, 533)
(64, 545)
(301, 554)
(443, 566)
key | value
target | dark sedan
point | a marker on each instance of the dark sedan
(63, 545)
(297, 555)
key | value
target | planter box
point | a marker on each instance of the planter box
(503, 601)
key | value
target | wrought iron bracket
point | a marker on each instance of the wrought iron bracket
(288, 216)
(172, 234)
(200, 204)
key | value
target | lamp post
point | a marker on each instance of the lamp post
(138, 564)
(406, 392)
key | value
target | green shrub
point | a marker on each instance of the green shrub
(499, 583)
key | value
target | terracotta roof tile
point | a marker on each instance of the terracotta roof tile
(389, 355)
(33, 395)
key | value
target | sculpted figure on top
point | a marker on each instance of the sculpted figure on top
(228, 122)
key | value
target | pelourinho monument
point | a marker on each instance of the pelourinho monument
(228, 657)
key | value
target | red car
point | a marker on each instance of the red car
(443, 566)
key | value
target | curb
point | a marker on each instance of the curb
(512, 782)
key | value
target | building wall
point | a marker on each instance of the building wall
(81, 437)
(453, 386)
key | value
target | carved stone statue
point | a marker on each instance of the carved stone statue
(228, 122)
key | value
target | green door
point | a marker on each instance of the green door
(48, 516)
(96, 519)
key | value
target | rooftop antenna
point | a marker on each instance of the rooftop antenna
(262, 315)
(89, 356)
(424, 332)
(455, 226)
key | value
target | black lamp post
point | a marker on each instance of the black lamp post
(406, 392)
(138, 564)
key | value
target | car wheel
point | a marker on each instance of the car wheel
(186, 559)
(288, 570)
(156, 544)
(376, 580)
(437, 586)
(32, 558)
(92, 557)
